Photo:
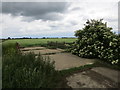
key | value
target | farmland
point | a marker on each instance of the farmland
(37, 42)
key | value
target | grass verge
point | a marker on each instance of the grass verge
(76, 69)
(101, 63)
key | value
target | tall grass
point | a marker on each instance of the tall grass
(27, 71)
(8, 48)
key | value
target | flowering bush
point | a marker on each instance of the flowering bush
(96, 40)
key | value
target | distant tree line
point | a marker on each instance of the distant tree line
(20, 38)
(40, 38)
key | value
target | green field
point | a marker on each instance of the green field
(37, 42)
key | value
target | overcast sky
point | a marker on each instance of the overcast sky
(39, 19)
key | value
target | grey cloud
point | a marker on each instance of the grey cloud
(48, 16)
(36, 10)
(0, 7)
(76, 8)
(73, 23)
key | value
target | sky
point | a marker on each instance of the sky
(54, 19)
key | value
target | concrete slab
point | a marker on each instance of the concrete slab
(90, 79)
(44, 51)
(109, 73)
(80, 80)
(49, 51)
(68, 60)
(32, 48)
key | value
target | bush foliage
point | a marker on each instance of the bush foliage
(96, 40)
(27, 71)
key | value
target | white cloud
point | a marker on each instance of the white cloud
(73, 20)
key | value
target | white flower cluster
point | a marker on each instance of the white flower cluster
(97, 40)
(114, 61)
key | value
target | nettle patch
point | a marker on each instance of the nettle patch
(96, 40)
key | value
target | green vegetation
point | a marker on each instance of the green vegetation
(101, 63)
(27, 71)
(96, 40)
(76, 69)
(38, 42)
(62, 45)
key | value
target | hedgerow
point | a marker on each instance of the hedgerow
(96, 40)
